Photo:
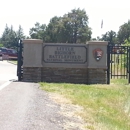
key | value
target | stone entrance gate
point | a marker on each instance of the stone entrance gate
(63, 62)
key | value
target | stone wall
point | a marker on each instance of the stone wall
(96, 76)
(68, 75)
(32, 74)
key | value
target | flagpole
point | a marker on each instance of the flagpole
(101, 27)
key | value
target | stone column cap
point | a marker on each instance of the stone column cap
(32, 41)
(98, 42)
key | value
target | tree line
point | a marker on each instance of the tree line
(70, 28)
(120, 37)
(10, 37)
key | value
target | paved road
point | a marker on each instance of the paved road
(8, 72)
(23, 106)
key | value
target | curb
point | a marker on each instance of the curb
(11, 62)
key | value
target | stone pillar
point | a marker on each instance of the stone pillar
(32, 59)
(97, 62)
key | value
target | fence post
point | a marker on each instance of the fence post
(19, 74)
(129, 66)
(108, 64)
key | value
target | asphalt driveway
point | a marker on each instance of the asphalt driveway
(24, 106)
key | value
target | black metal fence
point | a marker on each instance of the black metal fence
(118, 62)
(20, 60)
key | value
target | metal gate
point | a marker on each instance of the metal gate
(20, 60)
(118, 62)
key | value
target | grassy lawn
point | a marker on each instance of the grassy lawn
(106, 107)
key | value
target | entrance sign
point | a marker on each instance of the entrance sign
(65, 54)
(65, 62)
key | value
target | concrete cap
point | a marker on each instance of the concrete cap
(98, 42)
(32, 41)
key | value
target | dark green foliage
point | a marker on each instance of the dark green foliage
(111, 37)
(9, 36)
(1, 45)
(38, 31)
(71, 28)
(124, 32)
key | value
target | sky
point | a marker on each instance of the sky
(26, 13)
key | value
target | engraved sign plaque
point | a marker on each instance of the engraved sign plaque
(65, 54)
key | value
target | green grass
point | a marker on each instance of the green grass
(106, 107)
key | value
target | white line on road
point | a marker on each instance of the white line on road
(4, 85)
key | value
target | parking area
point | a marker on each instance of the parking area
(7, 54)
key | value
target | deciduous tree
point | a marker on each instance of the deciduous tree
(111, 37)
(124, 32)
(71, 28)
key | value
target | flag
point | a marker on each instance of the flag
(102, 24)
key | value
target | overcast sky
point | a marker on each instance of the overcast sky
(27, 12)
